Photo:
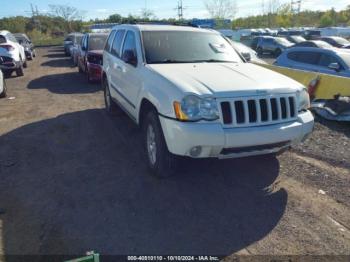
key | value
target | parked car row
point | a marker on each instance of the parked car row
(85, 51)
(15, 50)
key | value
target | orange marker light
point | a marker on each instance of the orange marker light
(178, 112)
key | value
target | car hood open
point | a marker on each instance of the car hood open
(226, 79)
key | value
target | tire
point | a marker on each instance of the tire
(4, 92)
(20, 71)
(30, 56)
(111, 106)
(7, 73)
(161, 162)
(25, 64)
(259, 51)
(79, 68)
(277, 52)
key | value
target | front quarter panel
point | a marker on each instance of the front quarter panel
(160, 92)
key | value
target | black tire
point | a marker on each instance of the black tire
(25, 64)
(8, 73)
(161, 162)
(20, 71)
(4, 92)
(34, 54)
(30, 57)
(260, 51)
(278, 52)
(111, 106)
(79, 68)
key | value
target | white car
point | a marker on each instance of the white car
(3, 88)
(193, 96)
(12, 55)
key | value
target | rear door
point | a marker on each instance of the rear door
(115, 69)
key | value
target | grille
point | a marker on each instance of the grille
(258, 111)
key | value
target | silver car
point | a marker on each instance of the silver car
(326, 61)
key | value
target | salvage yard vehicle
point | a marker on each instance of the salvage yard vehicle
(248, 54)
(193, 96)
(90, 55)
(273, 45)
(314, 43)
(12, 55)
(3, 88)
(69, 41)
(74, 49)
(327, 61)
(295, 39)
(337, 41)
(27, 44)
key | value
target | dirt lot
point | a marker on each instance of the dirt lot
(74, 179)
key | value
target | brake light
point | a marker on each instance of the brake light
(8, 47)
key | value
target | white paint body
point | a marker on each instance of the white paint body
(163, 84)
(17, 54)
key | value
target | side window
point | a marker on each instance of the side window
(293, 56)
(110, 41)
(129, 49)
(117, 43)
(311, 58)
(327, 59)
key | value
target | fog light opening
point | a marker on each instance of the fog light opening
(196, 151)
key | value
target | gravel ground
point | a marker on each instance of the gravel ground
(74, 179)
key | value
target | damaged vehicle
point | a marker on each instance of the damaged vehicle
(194, 96)
(337, 109)
(27, 44)
(3, 88)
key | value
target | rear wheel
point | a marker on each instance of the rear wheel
(160, 161)
(260, 51)
(111, 106)
(4, 91)
(20, 71)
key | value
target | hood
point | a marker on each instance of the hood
(96, 52)
(225, 79)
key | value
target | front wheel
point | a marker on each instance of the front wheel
(160, 161)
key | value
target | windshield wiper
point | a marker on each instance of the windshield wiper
(212, 61)
(169, 61)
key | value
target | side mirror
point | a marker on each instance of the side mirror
(334, 66)
(247, 56)
(129, 57)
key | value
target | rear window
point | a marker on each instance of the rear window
(2, 39)
(97, 42)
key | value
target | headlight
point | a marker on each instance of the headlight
(303, 100)
(194, 108)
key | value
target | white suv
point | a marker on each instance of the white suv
(2, 86)
(194, 96)
(12, 55)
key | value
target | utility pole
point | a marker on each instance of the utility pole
(295, 6)
(180, 10)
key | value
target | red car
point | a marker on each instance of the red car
(90, 55)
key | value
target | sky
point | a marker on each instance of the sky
(163, 9)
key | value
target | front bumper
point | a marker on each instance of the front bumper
(217, 142)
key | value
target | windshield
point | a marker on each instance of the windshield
(341, 41)
(298, 39)
(323, 44)
(97, 42)
(282, 41)
(187, 47)
(78, 39)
